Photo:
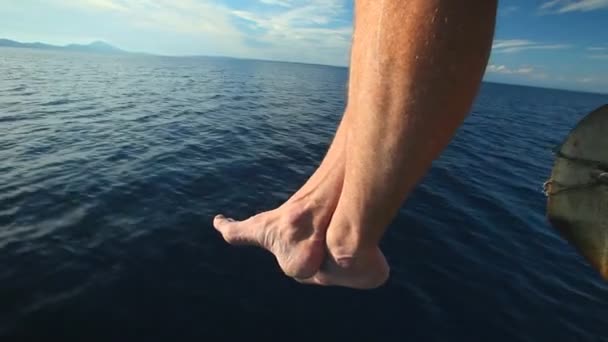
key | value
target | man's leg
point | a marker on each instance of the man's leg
(415, 69)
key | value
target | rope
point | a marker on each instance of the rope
(587, 162)
(599, 176)
(549, 185)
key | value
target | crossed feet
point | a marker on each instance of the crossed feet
(311, 236)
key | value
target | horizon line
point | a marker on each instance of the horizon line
(123, 51)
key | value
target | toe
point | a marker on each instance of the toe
(234, 232)
(222, 224)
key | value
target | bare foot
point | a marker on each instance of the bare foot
(294, 233)
(297, 232)
(297, 235)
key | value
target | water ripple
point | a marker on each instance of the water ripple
(113, 167)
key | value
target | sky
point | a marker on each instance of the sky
(548, 43)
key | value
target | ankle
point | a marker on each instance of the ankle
(349, 246)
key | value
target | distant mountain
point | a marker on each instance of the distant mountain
(97, 47)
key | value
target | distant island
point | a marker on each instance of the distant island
(97, 46)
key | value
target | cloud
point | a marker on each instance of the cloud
(295, 30)
(106, 4)
(503, 69)
(526, 72)
(517, 45)
(550, 4)
(276, 2)
(94, 5)
(565, 6)
(597, 52)
(184, 16)
(508, 43)
(308, 28)
(586, 80)
(508, 10)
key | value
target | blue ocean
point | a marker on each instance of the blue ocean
(113, 166)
